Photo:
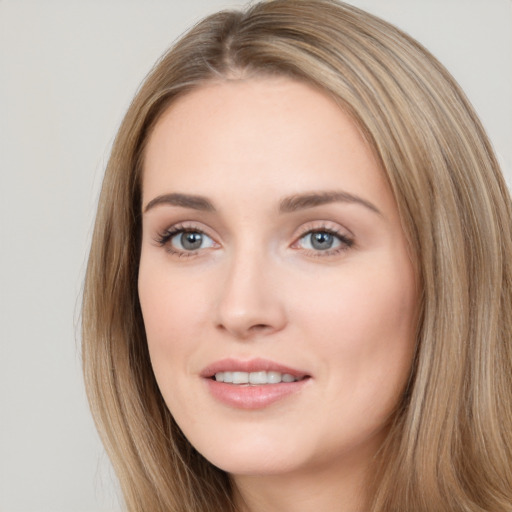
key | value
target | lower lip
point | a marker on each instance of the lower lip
(253, 396)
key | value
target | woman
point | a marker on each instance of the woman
(298, 293)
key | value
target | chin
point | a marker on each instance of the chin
(255, 464)
(261, 454)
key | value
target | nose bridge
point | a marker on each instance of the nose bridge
(249, 301)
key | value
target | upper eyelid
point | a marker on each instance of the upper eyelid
(176, 229)
(343, 238)
(326, 225)
(187, 226)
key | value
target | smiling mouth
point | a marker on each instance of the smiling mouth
(252, 384)
(255, 378)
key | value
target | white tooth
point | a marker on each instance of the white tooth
(258, 377)
(287, 378)
(240, 378)
(273, 377)
(219, 377)
(228, 376)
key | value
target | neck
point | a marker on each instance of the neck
(318, 489)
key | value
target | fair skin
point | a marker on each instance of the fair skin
(251, 277)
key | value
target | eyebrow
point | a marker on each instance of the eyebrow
(312, 199)
(287, 205)
(183, 200)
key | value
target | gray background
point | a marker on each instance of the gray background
(68, 70)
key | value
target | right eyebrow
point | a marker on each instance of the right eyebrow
(183, 200)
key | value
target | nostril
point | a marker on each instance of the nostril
(259, 327)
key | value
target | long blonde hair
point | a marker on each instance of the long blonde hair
(450, 446)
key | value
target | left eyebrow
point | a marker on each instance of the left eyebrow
(312, 199)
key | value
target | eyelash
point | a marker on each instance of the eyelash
(345, 241)
(164, 238)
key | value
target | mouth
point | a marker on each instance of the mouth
(253, 384)
(257, 378)
(256, 372)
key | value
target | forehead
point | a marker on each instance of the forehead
(273, 133)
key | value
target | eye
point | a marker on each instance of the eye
(324, 240)
(191, 241)
(185, 241)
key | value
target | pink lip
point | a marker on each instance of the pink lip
(253, 396)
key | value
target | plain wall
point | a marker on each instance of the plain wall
(68, 70)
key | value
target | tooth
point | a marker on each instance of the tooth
(254, 378)
(240, 378)
(273, 377)
(258, 377)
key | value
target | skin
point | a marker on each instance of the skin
(257, 287)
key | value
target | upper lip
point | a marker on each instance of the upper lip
(250, 365)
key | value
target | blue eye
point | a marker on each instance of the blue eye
(184, 241)
(190, 240)
(324, 240)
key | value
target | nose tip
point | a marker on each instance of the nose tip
(242, 327)
(250, 305)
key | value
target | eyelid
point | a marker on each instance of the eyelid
(319, 225)
(344, 236)
(163, 237)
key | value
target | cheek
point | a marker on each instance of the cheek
(364, 322)
(173, 313)
(364, 329)
(359, 302)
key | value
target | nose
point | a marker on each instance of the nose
(251, 303)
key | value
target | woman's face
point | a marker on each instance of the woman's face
(273, 253)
